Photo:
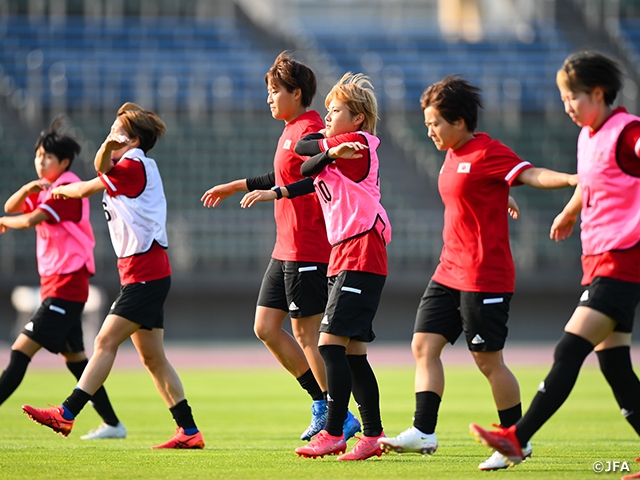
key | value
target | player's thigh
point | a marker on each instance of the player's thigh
(438, 313)
(484, 319)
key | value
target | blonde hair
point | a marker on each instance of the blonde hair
(141, 123)
(356, 93)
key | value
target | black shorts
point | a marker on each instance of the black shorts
(299, 288)
(143, 303)
(482, 316)
(57, 326)
(616, 299)
(353, 301)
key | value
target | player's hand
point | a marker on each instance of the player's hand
(347, 150)
(251, 198)
(116, 142)
(215, 195)
(562, 226)
(513, 208)
(36, 186)
(59, 193)
(3, 227)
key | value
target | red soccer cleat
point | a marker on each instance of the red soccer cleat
(50, 417)
(323, 444)
(632, 475)
(182, 440)
(366, 447)
(503, 440)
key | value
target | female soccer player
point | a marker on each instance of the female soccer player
(345, 169)
(64, 247)
(295, 282)
(473, 284)
(608, 200)
(135, 207)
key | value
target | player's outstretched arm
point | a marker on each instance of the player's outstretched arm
(293, 190)
(78, 189)
(15, 203)
(562, 226)
(547, 179)
(215, 195)
(21, 222)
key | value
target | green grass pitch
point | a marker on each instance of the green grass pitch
(252, 419)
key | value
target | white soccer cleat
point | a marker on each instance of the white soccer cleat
(410, 441)
(106, 431)
(497, 461)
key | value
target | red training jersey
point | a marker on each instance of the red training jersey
(73, 286)
(474, 185)
(300, 232)
(128, 178)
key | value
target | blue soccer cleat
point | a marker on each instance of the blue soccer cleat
(351, 426)
(319, 412)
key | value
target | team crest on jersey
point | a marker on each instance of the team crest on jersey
(464, 167)
(287, 144)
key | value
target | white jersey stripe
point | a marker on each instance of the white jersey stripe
(53, 213)
(110, 183)
(516, 169)
(637, 148)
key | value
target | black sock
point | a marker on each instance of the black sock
(510, 416)
(426, 416)
(310, 384)
(76, 401)
(615, 364)
(366, 393)
(13, 374)
(568, 358)
(339, 386)
(100, 400)
(181, 412)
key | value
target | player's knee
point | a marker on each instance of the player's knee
(421, 349)
(263, 332)
(152, 362)
(105, 343)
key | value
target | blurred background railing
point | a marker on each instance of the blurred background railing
(200, 64)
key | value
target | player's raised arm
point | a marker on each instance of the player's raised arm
(15, 203)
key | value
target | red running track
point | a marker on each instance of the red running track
(254, 354)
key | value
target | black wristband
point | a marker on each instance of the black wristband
(278, 191)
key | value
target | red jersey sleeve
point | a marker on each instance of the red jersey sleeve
(503, 163)
(61, 210)
(127, 177)
(30, 203)
(355, 169)
(628, 149)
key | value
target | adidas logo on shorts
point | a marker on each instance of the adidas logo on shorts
(477, 340)
(325, 320)
(293, 306)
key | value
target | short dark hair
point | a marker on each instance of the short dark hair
(454, 98)
(292, 74)
(583, 71)
(62, 146)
